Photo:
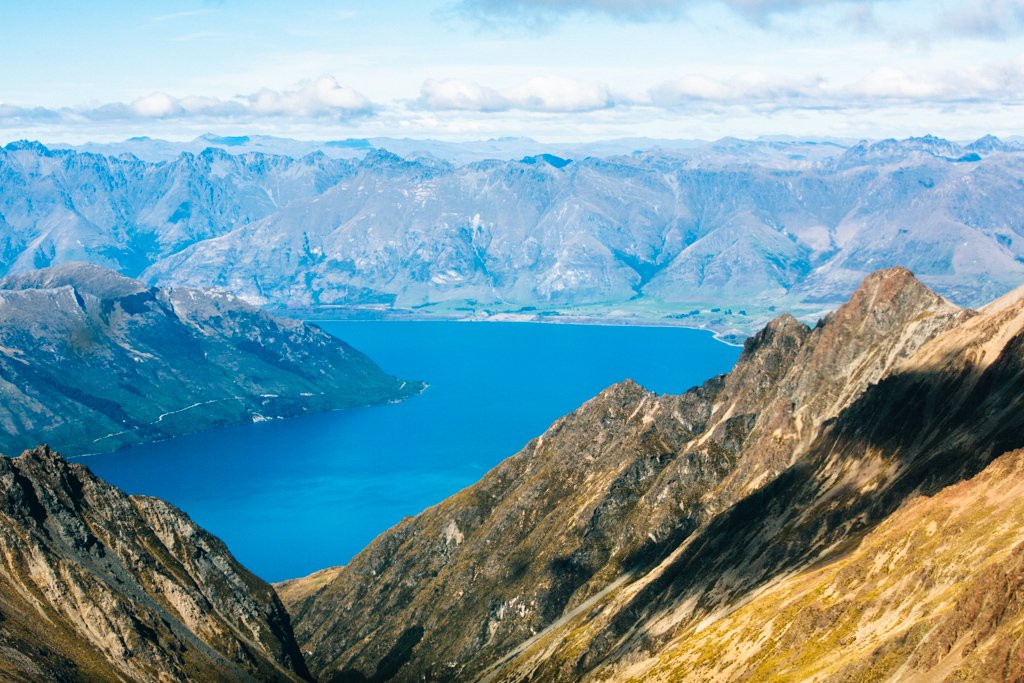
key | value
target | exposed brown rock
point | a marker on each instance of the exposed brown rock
(934, 593)
(588, 524)
(98, 585)
(936, 418)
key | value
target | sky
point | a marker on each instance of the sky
(553, 70)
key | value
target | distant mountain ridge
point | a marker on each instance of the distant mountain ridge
(504, 148)
(507, 148)
(91, 361)
(717, 235)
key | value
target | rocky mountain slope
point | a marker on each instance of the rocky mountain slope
(91, 360)
(932, 593)
(98, 585)
(718, 233)
(610, 545)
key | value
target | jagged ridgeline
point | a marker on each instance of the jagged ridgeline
(844, 505)
(91, 361)
(101, 586)
(717, 229)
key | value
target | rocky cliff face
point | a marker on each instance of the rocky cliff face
(639, 521)
(91, 360)
(98, 585)
(938, 417)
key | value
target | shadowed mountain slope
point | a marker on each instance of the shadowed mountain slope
(939, 417)
(932, 593)
(640, 516)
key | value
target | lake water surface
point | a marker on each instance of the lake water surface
(293, 496)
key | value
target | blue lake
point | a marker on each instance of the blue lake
(293, 496)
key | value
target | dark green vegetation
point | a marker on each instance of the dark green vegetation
(91, 361)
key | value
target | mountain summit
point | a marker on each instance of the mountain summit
(617, 545)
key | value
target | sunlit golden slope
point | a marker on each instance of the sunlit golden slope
(773, 523)
(936, 592)
(869, 559)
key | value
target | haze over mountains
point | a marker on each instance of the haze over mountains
(718, 234)
(506, 148)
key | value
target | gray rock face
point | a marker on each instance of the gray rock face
(91, 360)
(98, 585)
(737, 226)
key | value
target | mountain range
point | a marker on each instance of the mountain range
(719, 235)
(92, 361)
(841, 506)
(508, 148)
(844, 505)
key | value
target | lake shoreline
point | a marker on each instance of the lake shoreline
(728, 340)
(324, 485)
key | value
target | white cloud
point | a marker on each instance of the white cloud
(550, 93)
(541, 94)
(900, 20)
(324, 96)
(751, 88)
(891, 83)
(995, 83)
(14, 113)
(157, 105)
(458, 106)
(993, 18)
(455, 94)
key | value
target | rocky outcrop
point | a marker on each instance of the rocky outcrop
(91, 361)
(98, 585)
(844, 505)
(936, 418)
(639, 516)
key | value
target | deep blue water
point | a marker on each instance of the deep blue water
(293, 496)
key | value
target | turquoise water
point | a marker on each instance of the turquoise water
(293, 496)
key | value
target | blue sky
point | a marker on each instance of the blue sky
(550, 69)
